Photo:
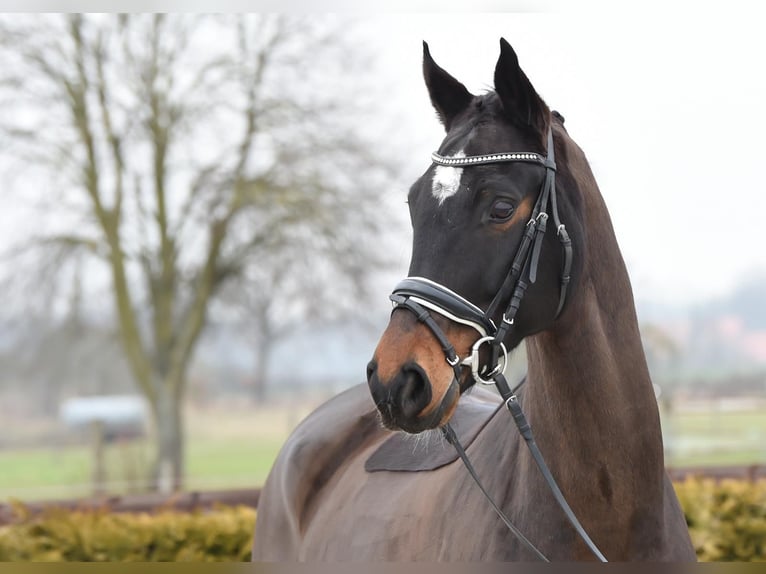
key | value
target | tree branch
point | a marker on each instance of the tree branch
(115, 140)
(109, 220)
(208, 280)
(159, 125)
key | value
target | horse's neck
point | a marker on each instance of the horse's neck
(589, 381)
(590, 397)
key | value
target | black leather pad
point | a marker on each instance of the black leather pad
(414, 453)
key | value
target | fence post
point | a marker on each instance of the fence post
(99, 464)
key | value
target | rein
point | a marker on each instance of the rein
(421, 296)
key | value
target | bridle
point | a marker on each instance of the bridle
(422, 296)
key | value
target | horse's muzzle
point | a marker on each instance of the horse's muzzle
(403, 400)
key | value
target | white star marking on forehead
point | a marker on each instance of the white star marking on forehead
(446, 180)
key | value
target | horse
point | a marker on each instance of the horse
(486, 273)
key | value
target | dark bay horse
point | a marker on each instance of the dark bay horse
(486, 273)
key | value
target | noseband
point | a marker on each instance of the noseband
(421, 296)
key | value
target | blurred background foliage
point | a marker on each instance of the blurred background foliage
(727, 522)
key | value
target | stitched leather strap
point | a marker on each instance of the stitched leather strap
(566, 244)
(446, 302)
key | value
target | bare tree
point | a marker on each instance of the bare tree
(179, 155)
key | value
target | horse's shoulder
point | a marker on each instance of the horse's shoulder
(326, 439)
(316, 450)
(350, 415)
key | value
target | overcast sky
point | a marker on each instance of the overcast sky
(668, 107)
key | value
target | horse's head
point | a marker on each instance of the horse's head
(470, 221)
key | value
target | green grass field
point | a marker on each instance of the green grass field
(715, 438)
(235, 448)
(47, 474)
(226, 448)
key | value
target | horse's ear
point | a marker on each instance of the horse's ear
(448, 96)
(520, 101)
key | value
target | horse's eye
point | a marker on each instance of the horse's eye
(501, 211)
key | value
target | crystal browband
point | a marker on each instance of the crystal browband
(489, 158)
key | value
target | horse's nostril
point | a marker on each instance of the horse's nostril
(412, 393)
(401, 399)
(379, 392)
